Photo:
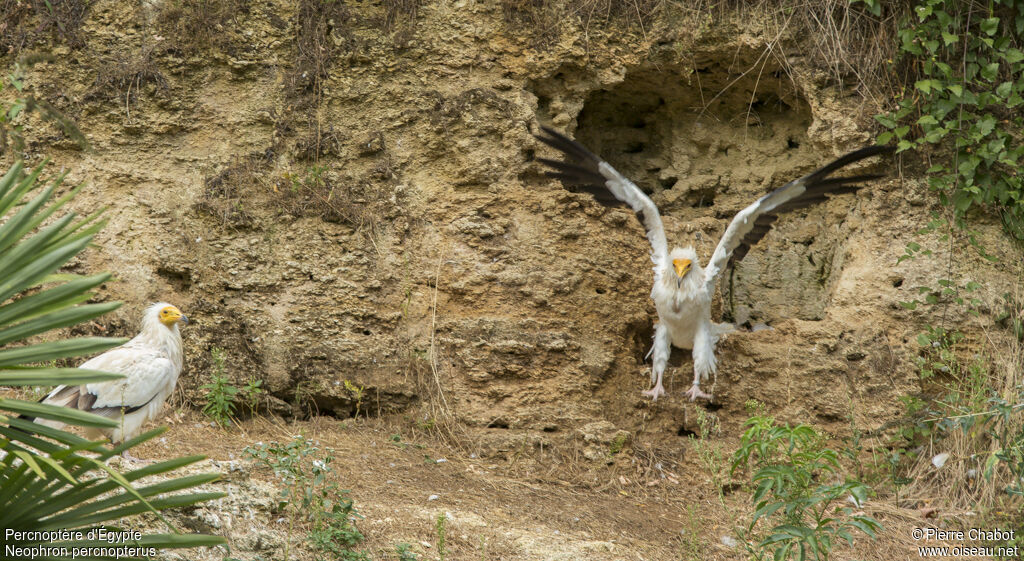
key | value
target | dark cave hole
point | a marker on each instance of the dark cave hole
(531, 154)
(705, 70)
(638, 123)
(712, 407)
(683, 431)
(668, 182)
(790, 143)
(497, 424)
(366, 332)
(897, 283)
(600, 291)
(810, 259)
(550, 429)
(634, 148)
(705, 198)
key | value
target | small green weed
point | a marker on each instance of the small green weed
(307, 494)
(220, 394)
(442, 534)
(405, 552)
(222, 397)
(796, 484)
(357, 394)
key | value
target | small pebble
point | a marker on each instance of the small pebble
(433, 497)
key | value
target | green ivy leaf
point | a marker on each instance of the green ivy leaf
(990, 25)
(990, 71)
(1004, 89)
(886, 121)
(986, 124)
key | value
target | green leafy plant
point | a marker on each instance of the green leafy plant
(356, 391)
(797, 483)
(252, 391)
(405, 552)
(307, 494)
(442, 534)
(220, 394)
(965, 60)
(46, 482)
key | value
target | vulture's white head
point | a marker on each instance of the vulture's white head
(166, 314)
(685, 267)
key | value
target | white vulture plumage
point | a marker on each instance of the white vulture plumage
(682, 288)
(151, 363)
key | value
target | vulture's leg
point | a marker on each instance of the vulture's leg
(703, 360)
(661, 350)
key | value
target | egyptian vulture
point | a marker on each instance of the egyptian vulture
(682, 288)
(151, 363)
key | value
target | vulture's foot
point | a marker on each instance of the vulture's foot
(694, 392)
(655, 392)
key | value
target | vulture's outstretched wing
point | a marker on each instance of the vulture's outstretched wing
(610, 188)
(752, 223)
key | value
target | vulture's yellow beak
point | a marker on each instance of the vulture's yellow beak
(682, 267)
(171, 315)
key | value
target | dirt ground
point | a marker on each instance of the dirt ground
(642, 503)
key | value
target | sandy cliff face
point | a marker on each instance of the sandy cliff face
(336, 198)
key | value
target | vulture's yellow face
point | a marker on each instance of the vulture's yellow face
(682, 267)
(171, 315)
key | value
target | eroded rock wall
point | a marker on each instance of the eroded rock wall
(342, 202)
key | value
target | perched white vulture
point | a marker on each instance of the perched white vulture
(682, 288)
(151, 363)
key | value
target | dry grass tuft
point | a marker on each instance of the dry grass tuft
(363, 203)
(971, 429)
(192, 25)
(322, 34)
(24, 22)
(400, 19)
(226, 192)
(123, 76)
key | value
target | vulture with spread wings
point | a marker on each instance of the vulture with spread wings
(682, 288)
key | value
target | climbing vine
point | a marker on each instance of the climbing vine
(966, 62)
